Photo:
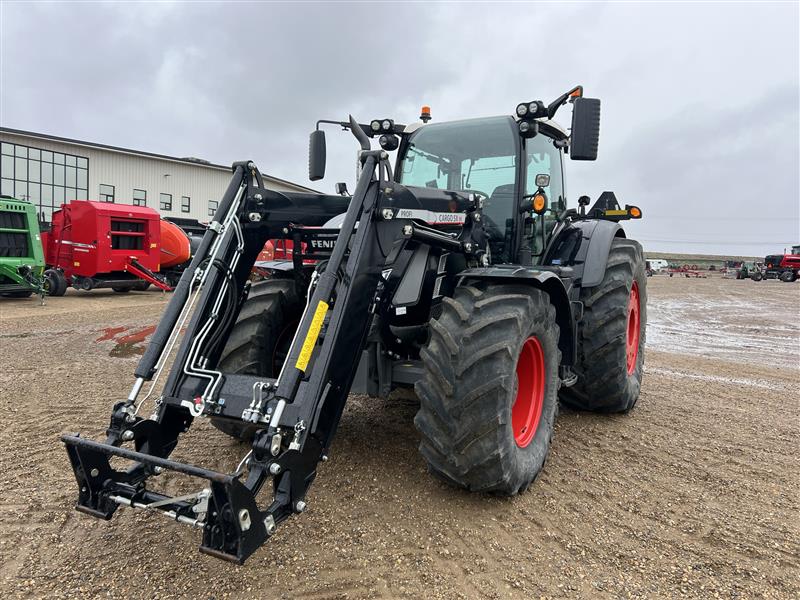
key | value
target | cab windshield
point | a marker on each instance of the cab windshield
(472, 156)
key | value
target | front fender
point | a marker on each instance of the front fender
(548, 282)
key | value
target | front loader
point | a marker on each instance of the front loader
(460, 272)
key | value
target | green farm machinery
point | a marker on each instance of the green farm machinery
(21, 257)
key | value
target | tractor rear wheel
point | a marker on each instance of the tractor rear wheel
(489, 392)
(260, 339)
(611, 335)
(788, 276)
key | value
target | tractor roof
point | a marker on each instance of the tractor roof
(555, 128)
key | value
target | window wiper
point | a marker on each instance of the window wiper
(440, 160)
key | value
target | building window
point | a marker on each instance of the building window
(139, 198)
(42, 177)
(165, 201)
(186, 204)
(212, 207)
(106, 193)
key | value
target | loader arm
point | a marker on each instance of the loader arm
(297, 412)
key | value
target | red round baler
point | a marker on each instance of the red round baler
(101, 245)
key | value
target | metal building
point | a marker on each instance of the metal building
(48, 170)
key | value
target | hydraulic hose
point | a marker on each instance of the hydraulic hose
(147, 365)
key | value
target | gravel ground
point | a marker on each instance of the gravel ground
(695, 493)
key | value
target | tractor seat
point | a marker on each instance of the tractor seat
(500, 205)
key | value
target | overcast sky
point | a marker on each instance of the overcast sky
(700, 101)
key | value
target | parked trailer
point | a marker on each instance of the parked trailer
(657, 264)
(102, 245)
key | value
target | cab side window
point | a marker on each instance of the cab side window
(544, 158)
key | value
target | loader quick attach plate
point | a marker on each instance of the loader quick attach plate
(233, 526)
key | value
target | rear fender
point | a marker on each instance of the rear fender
(584, 246)
(548, 282)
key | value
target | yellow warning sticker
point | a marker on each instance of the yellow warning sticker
(311, 337)
(616, 213)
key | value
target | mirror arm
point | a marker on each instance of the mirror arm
(343, 124)
(561, 100)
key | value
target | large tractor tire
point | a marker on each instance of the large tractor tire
(611, 335)
(788, 276)
(259, 341)
(489, 393)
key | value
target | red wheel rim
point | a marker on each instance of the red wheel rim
(527, 408)
(632, 345)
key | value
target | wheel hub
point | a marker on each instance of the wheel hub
(527, 408)
(632, 342)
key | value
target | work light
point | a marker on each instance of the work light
(389, 142)
(387, 124)
(536, 109)
(375, 126)
(528, 129)
(531, 110)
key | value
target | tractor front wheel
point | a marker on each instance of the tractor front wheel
(489, 392)
(260, 339)
(611, 335)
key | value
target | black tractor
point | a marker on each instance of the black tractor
(460, 272)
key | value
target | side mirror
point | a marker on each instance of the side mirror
(585, 129)
(316, 155)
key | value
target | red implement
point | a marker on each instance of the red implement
(99, 244)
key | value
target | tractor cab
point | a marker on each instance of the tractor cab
(489, 158)
(513, 165)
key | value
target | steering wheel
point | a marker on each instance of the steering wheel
(489, 225)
